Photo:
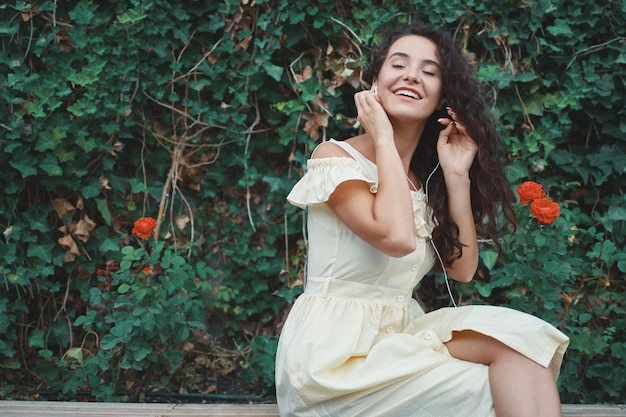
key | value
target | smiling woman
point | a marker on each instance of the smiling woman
(383, 208)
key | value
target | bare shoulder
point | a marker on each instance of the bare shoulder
(329, 150)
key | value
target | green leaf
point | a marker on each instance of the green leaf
(131, 16)
(83, 14)
(50, 165)
(540, 241)
(36, 339)
(50, 140)
(178, 260)
(489, 257)
(124, 288)
(89, 74)
(75, 353)
(92, 189)
(560, 28)
(273, 71)
(484, 289)
(103, 208)
(41, 252)
(26, 165)
(108, 342)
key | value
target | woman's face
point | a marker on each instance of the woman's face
(409, 83)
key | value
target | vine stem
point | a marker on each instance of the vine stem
(166, 192)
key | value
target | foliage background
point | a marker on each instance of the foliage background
(202, 114)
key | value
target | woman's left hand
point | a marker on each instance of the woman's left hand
(455, 148)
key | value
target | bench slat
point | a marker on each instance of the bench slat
(596, 410)
(93, 409)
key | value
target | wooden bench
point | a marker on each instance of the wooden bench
(92, 409)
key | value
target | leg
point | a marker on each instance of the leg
(519, 386)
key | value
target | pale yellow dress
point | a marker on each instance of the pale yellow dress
(357, 344)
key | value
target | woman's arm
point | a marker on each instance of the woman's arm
(385, 219)
(456, 150)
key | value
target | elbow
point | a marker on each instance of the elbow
(465, 274)
(465, 278)
(398, 248)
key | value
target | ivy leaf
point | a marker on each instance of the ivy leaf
(23, 167)
(89, 74)
(273, 71)
(82, 13)
(489, 258)
(92, 189)
(131, 16)
(41, 252)
(484, 289)
(50, 165)
(103, 209)
(36, 339)
(560, 28)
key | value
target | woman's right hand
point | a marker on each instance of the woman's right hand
(372, 115)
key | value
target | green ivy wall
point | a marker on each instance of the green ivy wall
(201, 114)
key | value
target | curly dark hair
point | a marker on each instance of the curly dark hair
(490, 191)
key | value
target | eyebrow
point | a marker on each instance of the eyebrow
(425, 61)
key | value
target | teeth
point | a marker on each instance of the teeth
(408, 94)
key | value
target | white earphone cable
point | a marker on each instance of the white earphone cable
(443, 267)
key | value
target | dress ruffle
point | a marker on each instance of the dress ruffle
(322, 178)
(421, 215)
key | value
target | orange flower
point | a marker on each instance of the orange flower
(144, 227)
(530, 191)
(545, 210)
(147, 270)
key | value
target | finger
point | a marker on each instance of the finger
(445, 121)
(461, 129)
(451, 113)
(447, 132)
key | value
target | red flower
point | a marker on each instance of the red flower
(147, 270)
(530, 191)
(144, 227)
(545, 210)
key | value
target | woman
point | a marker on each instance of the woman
(383, 208)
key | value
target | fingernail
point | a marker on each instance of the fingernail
(440, 120)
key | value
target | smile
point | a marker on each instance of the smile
(408, 93)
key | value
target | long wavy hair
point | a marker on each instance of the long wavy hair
(490, 191)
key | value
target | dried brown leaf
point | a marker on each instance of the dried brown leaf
(63, 207)
(83, 228)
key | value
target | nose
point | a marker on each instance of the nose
(411, 75)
